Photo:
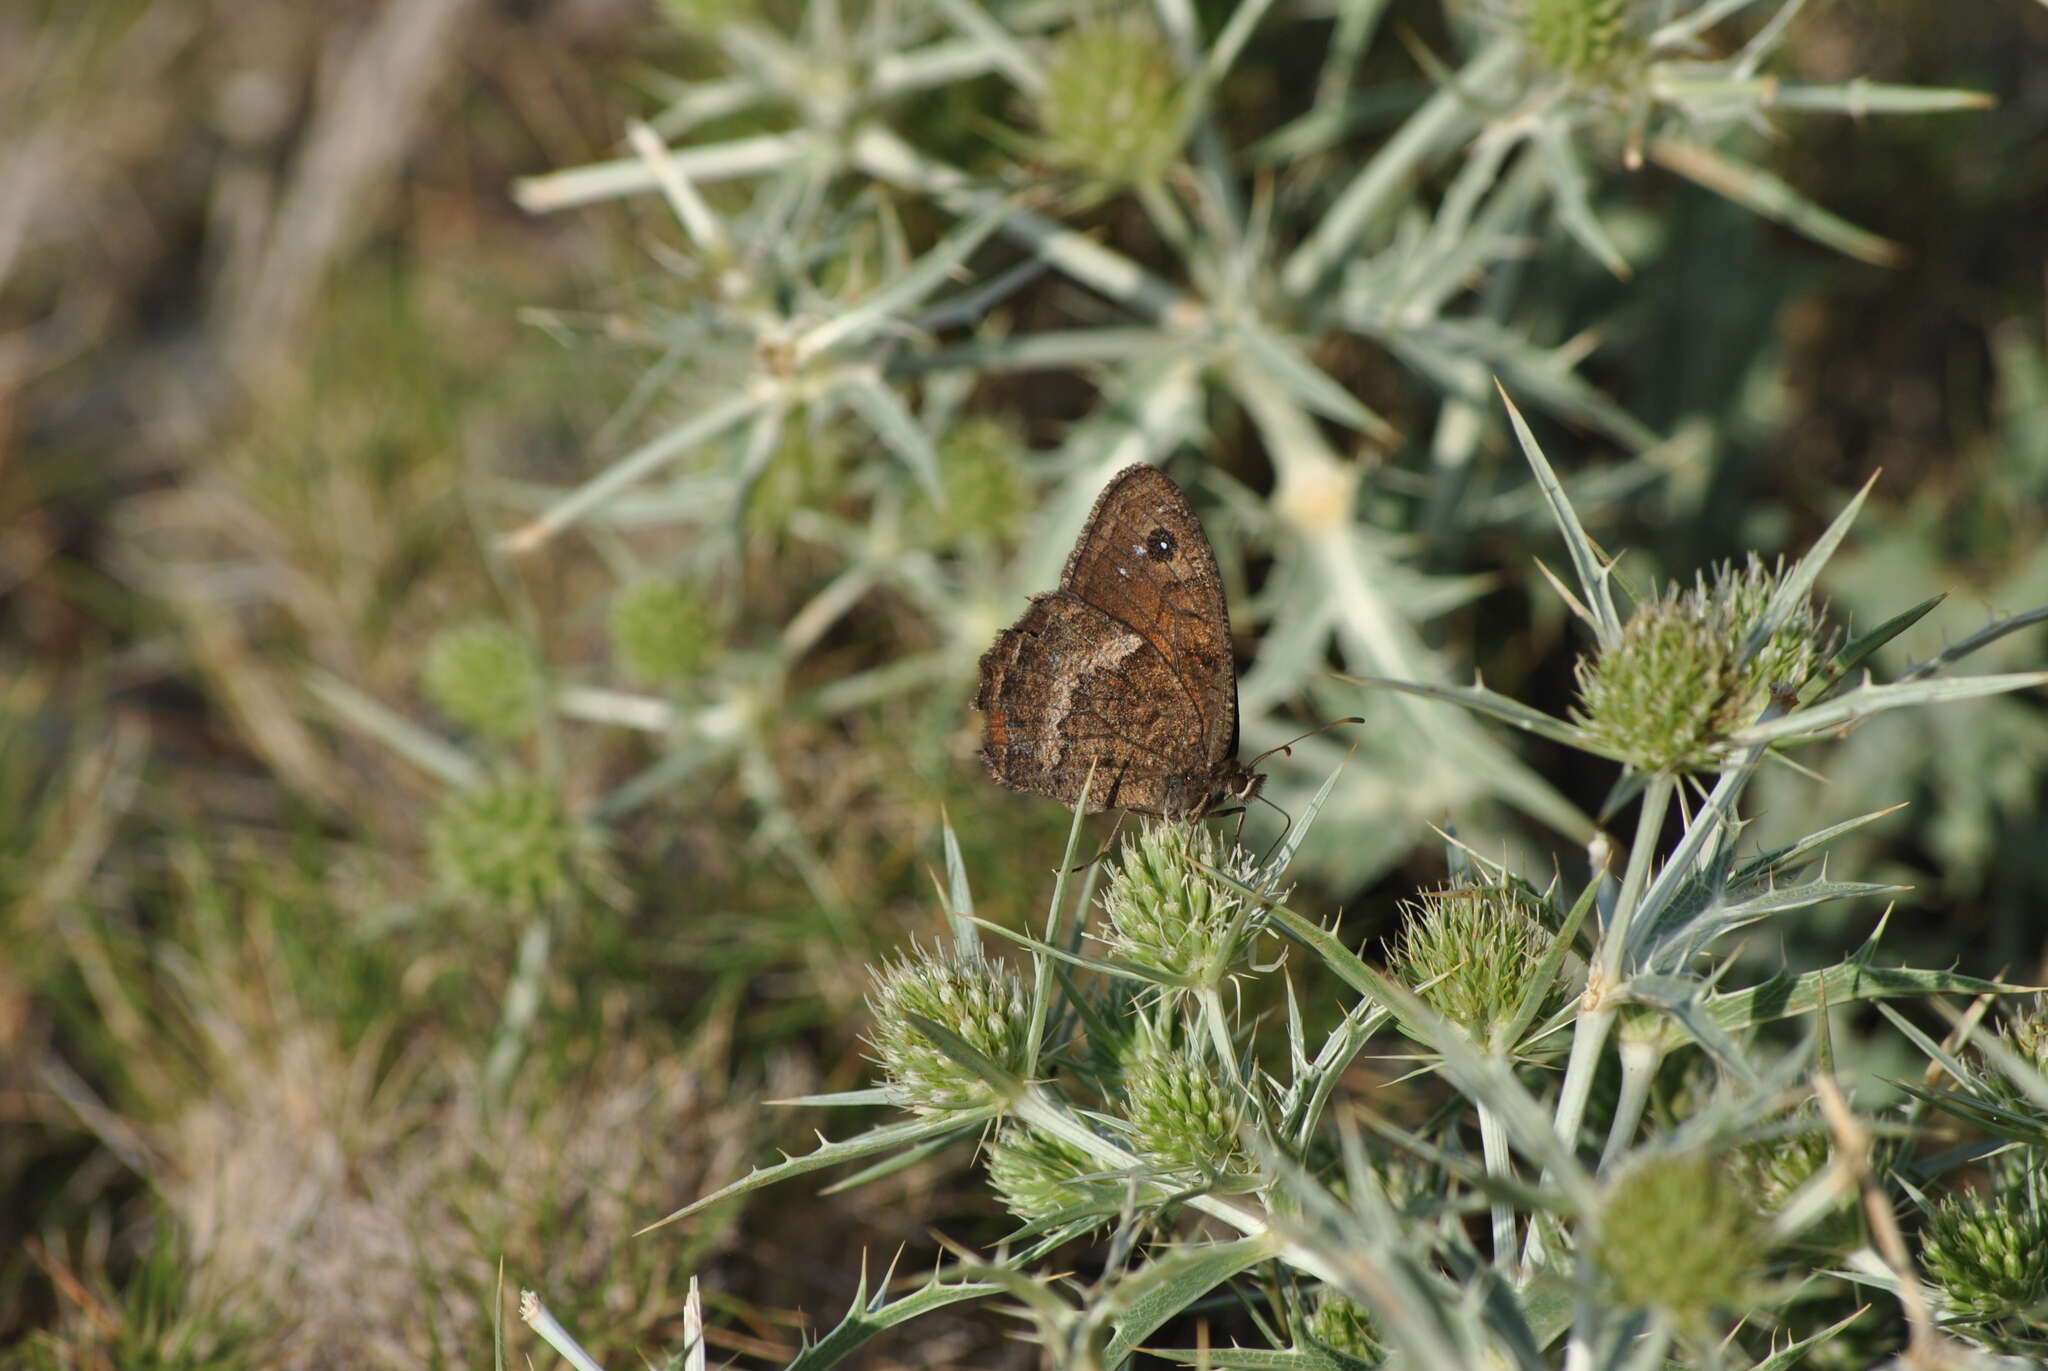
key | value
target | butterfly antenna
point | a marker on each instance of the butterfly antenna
(1288, 746)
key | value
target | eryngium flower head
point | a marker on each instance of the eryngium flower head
(660, 630)
(1037, 1176)
(510, 843)
(484, 675)
(1578, 38)
(1183, 1115)
(1667, 695)
(978, 1001)
(1165, 914)
(1677, 1234)
(1346, 1326)
(1110, 109)
(1469, 953)
(1989, 1252)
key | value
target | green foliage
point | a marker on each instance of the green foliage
(799, 428)
(1700, 1233)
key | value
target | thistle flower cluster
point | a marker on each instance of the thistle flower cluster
(1677, 1234)
(977, 1001)
(1987, 1251)
(1166, 915)
(1183, 1114)
(1111, 107)
(1344, 1325)
(1684, 674)
(1038, 1177)
(485, 675)
(661, 630)
(1578, 38)
(1470, 952)
(511, 844)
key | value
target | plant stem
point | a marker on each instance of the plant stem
(1639, 1063)
(1649, 824)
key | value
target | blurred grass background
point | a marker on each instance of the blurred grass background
(281, 363)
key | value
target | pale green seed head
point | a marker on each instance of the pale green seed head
(1184, 1116)
(1164, 913)
(484, 675)
(510, 844)
(661, 630)
(1346, 1326)
(1037, 1176)
(1578, 38)
(1988, 1252)
(1469, 952)
(979, 1001)
(1667, 695)
(1110, 111)
(1677, 1234)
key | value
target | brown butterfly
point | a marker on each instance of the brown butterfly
(1125, 668)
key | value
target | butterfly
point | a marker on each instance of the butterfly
(1126, 668)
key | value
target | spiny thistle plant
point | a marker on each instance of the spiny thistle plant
(1201, 256)
(1172, 1074)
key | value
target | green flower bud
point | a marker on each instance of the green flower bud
(1773, 1171)
(1577, 37)
(1183, 1116)
(485, 676)
(1988, 1253)
(1037, 1176)
(1344, 1325)
(1667, 695)
(510, 844)
(661, 629)
(1166, 915)
(1469, 952)
(1677, 1234)
(978, 1001)
(1111, 106)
